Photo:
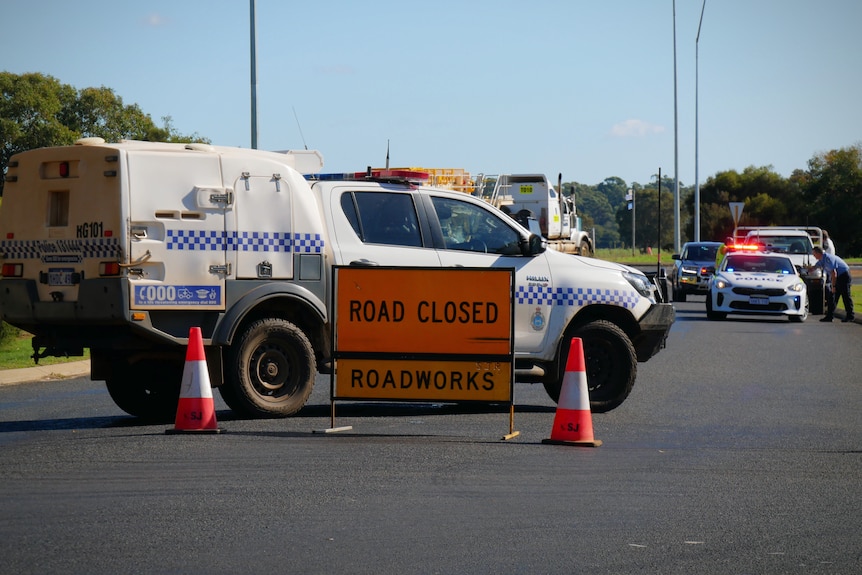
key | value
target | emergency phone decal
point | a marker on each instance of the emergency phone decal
(170, 295)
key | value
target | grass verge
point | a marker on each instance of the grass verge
(16, 351)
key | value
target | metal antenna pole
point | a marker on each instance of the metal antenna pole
(676, 235)
(253, 79)
(696, 139)
(634, 207)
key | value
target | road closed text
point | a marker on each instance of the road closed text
(451, 312)
(424, 380)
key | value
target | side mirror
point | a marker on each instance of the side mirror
(675, 257)
(533, 245)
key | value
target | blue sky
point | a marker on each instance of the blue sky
(582, 88)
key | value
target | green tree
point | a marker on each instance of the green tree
(99, 112)
(38, 111)
(614, 189)
(769, 200)
(833, 192)
(31, 106)
(597, 213)
(646, 215)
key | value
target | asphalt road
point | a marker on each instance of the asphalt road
(739, 451)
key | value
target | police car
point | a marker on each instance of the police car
(755, 282)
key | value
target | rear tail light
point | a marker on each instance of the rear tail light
(13, 270)
(109, 269)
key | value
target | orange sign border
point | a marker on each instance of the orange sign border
(449, 343)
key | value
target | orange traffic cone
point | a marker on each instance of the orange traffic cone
(573, 422)
(196, 409)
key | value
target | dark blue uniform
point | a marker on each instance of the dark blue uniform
(835, 268)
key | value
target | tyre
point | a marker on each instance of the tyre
(584, 249)
(679, 295)
(270, 370)
(610, 361)
(804, 316)
(149, 389)
(713, 315)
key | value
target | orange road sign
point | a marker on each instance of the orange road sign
(424, 310)
(423, 334)
(423, 380)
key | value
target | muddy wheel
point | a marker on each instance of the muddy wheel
(610, 361)
(270, 370)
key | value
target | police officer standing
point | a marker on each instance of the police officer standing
(834, 267)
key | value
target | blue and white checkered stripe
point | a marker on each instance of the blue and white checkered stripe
(209, 240)
(204, 240)
(35, 249)
(543, 295)
(21, 250)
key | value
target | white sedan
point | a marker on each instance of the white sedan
(757, 283)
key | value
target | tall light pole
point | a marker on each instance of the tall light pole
(253, 79)
(676, 235)
(631, 199)
(696, 140)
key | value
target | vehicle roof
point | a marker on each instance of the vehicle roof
(778, 232)
(303, 161)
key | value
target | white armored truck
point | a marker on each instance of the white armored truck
(122, 247)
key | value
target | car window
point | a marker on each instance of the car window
(468, 227)
(752, 263)
(708, 252)
(785, 244)
(700, 253)
(383, 218)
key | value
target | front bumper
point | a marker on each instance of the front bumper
(654, 327)
(726, 301)
(694, 284)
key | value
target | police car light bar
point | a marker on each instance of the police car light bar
(411, 176)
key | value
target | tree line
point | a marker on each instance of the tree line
(828, 194)
(37, 110)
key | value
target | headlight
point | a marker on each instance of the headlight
(640, 283)
(689, 270)
(797, 287)
(722, 283)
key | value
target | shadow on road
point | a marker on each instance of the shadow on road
(321, 411)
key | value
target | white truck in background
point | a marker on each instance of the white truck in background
(527, 196)
(122, 247)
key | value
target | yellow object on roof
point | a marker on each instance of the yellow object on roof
(456, 179)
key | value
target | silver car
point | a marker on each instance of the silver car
(692, 268)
